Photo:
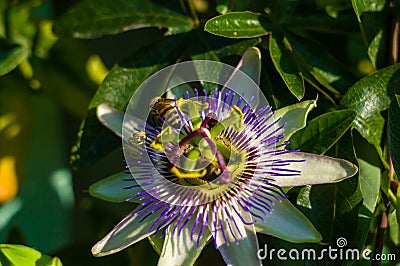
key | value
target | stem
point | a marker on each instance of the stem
(194, 133)
(206, 135)
(205, 122)
(380, 236)
(193, 13)
(226, 175)
(181, 2)
(394, 55)
(188, 137)
(214, 149)
(391, 169)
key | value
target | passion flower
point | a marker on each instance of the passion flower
(210, 167)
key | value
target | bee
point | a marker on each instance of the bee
(163, 111)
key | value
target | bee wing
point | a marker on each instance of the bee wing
(113, 119)
(250, 64)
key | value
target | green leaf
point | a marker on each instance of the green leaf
(345, 22)
(395, 8)
(280, 10)
(3, 9)
(238, 25)
(315, 60)
(370, 177)
(42, 170)
(20, 22)
(323, 132)
(90, 147)
(394, 134)
(48, 180)
(282, 56)
(333, 208)
(94, 140)
(205, 46)
(394, 226)
(368, 97)
(124, 79)
(15, 135)
(11, 56)
(373, 17)
(94, 18)
(11, 255)
(73, 92)
(294, 117)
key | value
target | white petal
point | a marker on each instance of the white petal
(288, 223)
(294, 116)
(245, 251)
(181, 250)
(316, 169)
(127, 232)
(113, 119)
(113, 188)
(249, 65)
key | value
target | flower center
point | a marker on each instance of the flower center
(200, 153)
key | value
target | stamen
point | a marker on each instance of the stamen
(191, 174)
(231, 100)
(225, 100)
(193, 109)
(165, 136)
(206, 135)
(235, 119)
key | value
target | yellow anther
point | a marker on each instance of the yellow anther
(193, 109)
(192, 174)
(165, 136)
(235, 119)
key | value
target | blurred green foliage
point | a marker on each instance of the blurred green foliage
(342, 52)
